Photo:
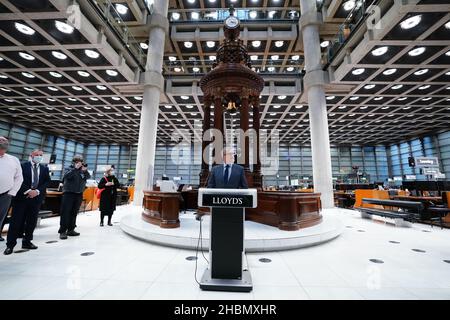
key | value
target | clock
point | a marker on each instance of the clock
(232, 22)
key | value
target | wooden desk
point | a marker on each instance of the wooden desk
(52, 201)
(162, 208)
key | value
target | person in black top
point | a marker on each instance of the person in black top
(108, 196)
(74, 183)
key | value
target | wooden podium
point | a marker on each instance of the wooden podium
(226, 249)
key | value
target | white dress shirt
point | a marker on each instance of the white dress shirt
(10, 174)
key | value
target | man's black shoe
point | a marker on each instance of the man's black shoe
(29, 246)
(63, 236)
(73, 233)
(8, 251)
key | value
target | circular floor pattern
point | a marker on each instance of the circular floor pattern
(52, 241)
(426, 231)
(191, 258)
(85, 254)
(361, 231)
(418, 250)
(258, 237)
(396, 242)
(447, 261)
(265, 260)
(348, 226)
(21, 251)
(376, 260)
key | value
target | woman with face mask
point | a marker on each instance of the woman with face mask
(108, 196)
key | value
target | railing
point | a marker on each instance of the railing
(109, 13)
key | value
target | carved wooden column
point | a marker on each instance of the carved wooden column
(205, 140)
(244, 127)
(218, 118)
(257, 179)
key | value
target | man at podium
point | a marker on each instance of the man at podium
(227, 175)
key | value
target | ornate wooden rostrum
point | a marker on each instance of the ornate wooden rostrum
(233, 86)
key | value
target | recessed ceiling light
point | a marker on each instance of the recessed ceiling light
(83, 73)
(177, 69)
(24, 28)
(330, 97)
(256, 43)
(275, 57)
(59, 55)
(325, 44)
(342, 107)
(52, 88)
(2, 76)
(253, 57)
(1, 59)
(295, 57)
(121, 9)
(359, 71)
(271, 14)
(424, 87)
(349, 5)
(253, 14)
(447, 25)
(212, 58)
(29, 89)
(388, 72)
(354, 98)
(363, 107)
(279, 44)
(196, 69)
(421, 72)
(91, 54)
(77, 88)
(411, 22)
(26, 56)
(369, 86)
(172, 58)
(138, 98)
(271, 69)
(402, 98)
(143, 45)
(385, 108)
(72, 99)
(55, 74)
(111, 73)
(379, 51)
(378, 98)
(426, 99)
(447, 53)
(176, 16)
(93, 98)
(210, 44)
(277, 106)
(28, 75)
(281, 97)
(416, 52)
(115, 98)
(52, 100)
(184, 97)
(188, 44)
(100, 87)
(64, 27)
(191, 1)
(398, 86)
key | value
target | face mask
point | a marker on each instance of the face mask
(37, 159)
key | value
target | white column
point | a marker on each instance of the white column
(314, 82)
(153, 82)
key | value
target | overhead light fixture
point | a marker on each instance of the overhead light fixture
(349, 5)
(77, 88)
(398, 86)
(402, 99)
(388, 72)
(447, 25)
(354, 98)
(378, 98)
(2, 76)
(177, 69)
(64, 27)
(210, 44)
(379, 51)
(92, 54)
(143, 45)
(72, 99)
(254, 57)
(121, 9)
(369, 86)
(28, 75)
(196, 69)
(172, 58)
(275, 57)
(93, 98)
(359, 71)
(277, 106)
(175, 15)
(5, 89)
(325, 44)
(212, 58)
(281, 97)
(279, 43)
(411, 22)
(26, 56)
(330, 97)
(342, 107)
(299, 106)
(53, 89)
(424, 87)
(426, 99)
(138, 98)
(83, 73)
(256, 43)
(195, 15)
(111, 73)
(100, 87)
(290, 69)
(55, 74)
(253, 14)
(191, 1)
(29, 89)
(421, 72)
(115, 98)
(295, 57)
(184, 97)
(271, 69)
(447, 53)
(188, 44)
(417, 51)
(24, 28)
(59, 55)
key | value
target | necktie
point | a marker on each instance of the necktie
(35, 182)
(225, 175)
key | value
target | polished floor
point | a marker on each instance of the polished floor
(106, 263)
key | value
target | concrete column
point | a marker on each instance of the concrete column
(153, 82)
(314, 82)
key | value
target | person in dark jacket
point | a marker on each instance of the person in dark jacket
(74, 183)
(108, 196)
(27, 202)
(227, 175)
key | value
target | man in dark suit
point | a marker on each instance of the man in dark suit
(227, 175)
(27, 202)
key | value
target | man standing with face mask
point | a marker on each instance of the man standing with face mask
(27, 202)
(10, 179)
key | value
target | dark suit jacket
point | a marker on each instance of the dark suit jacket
(237, 178)
(44, 179)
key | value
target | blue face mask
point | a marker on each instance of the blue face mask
(37, 159)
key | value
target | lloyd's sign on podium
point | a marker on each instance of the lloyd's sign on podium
(227, 200)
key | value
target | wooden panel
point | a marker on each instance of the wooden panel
(372, 194)
(162, 208)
